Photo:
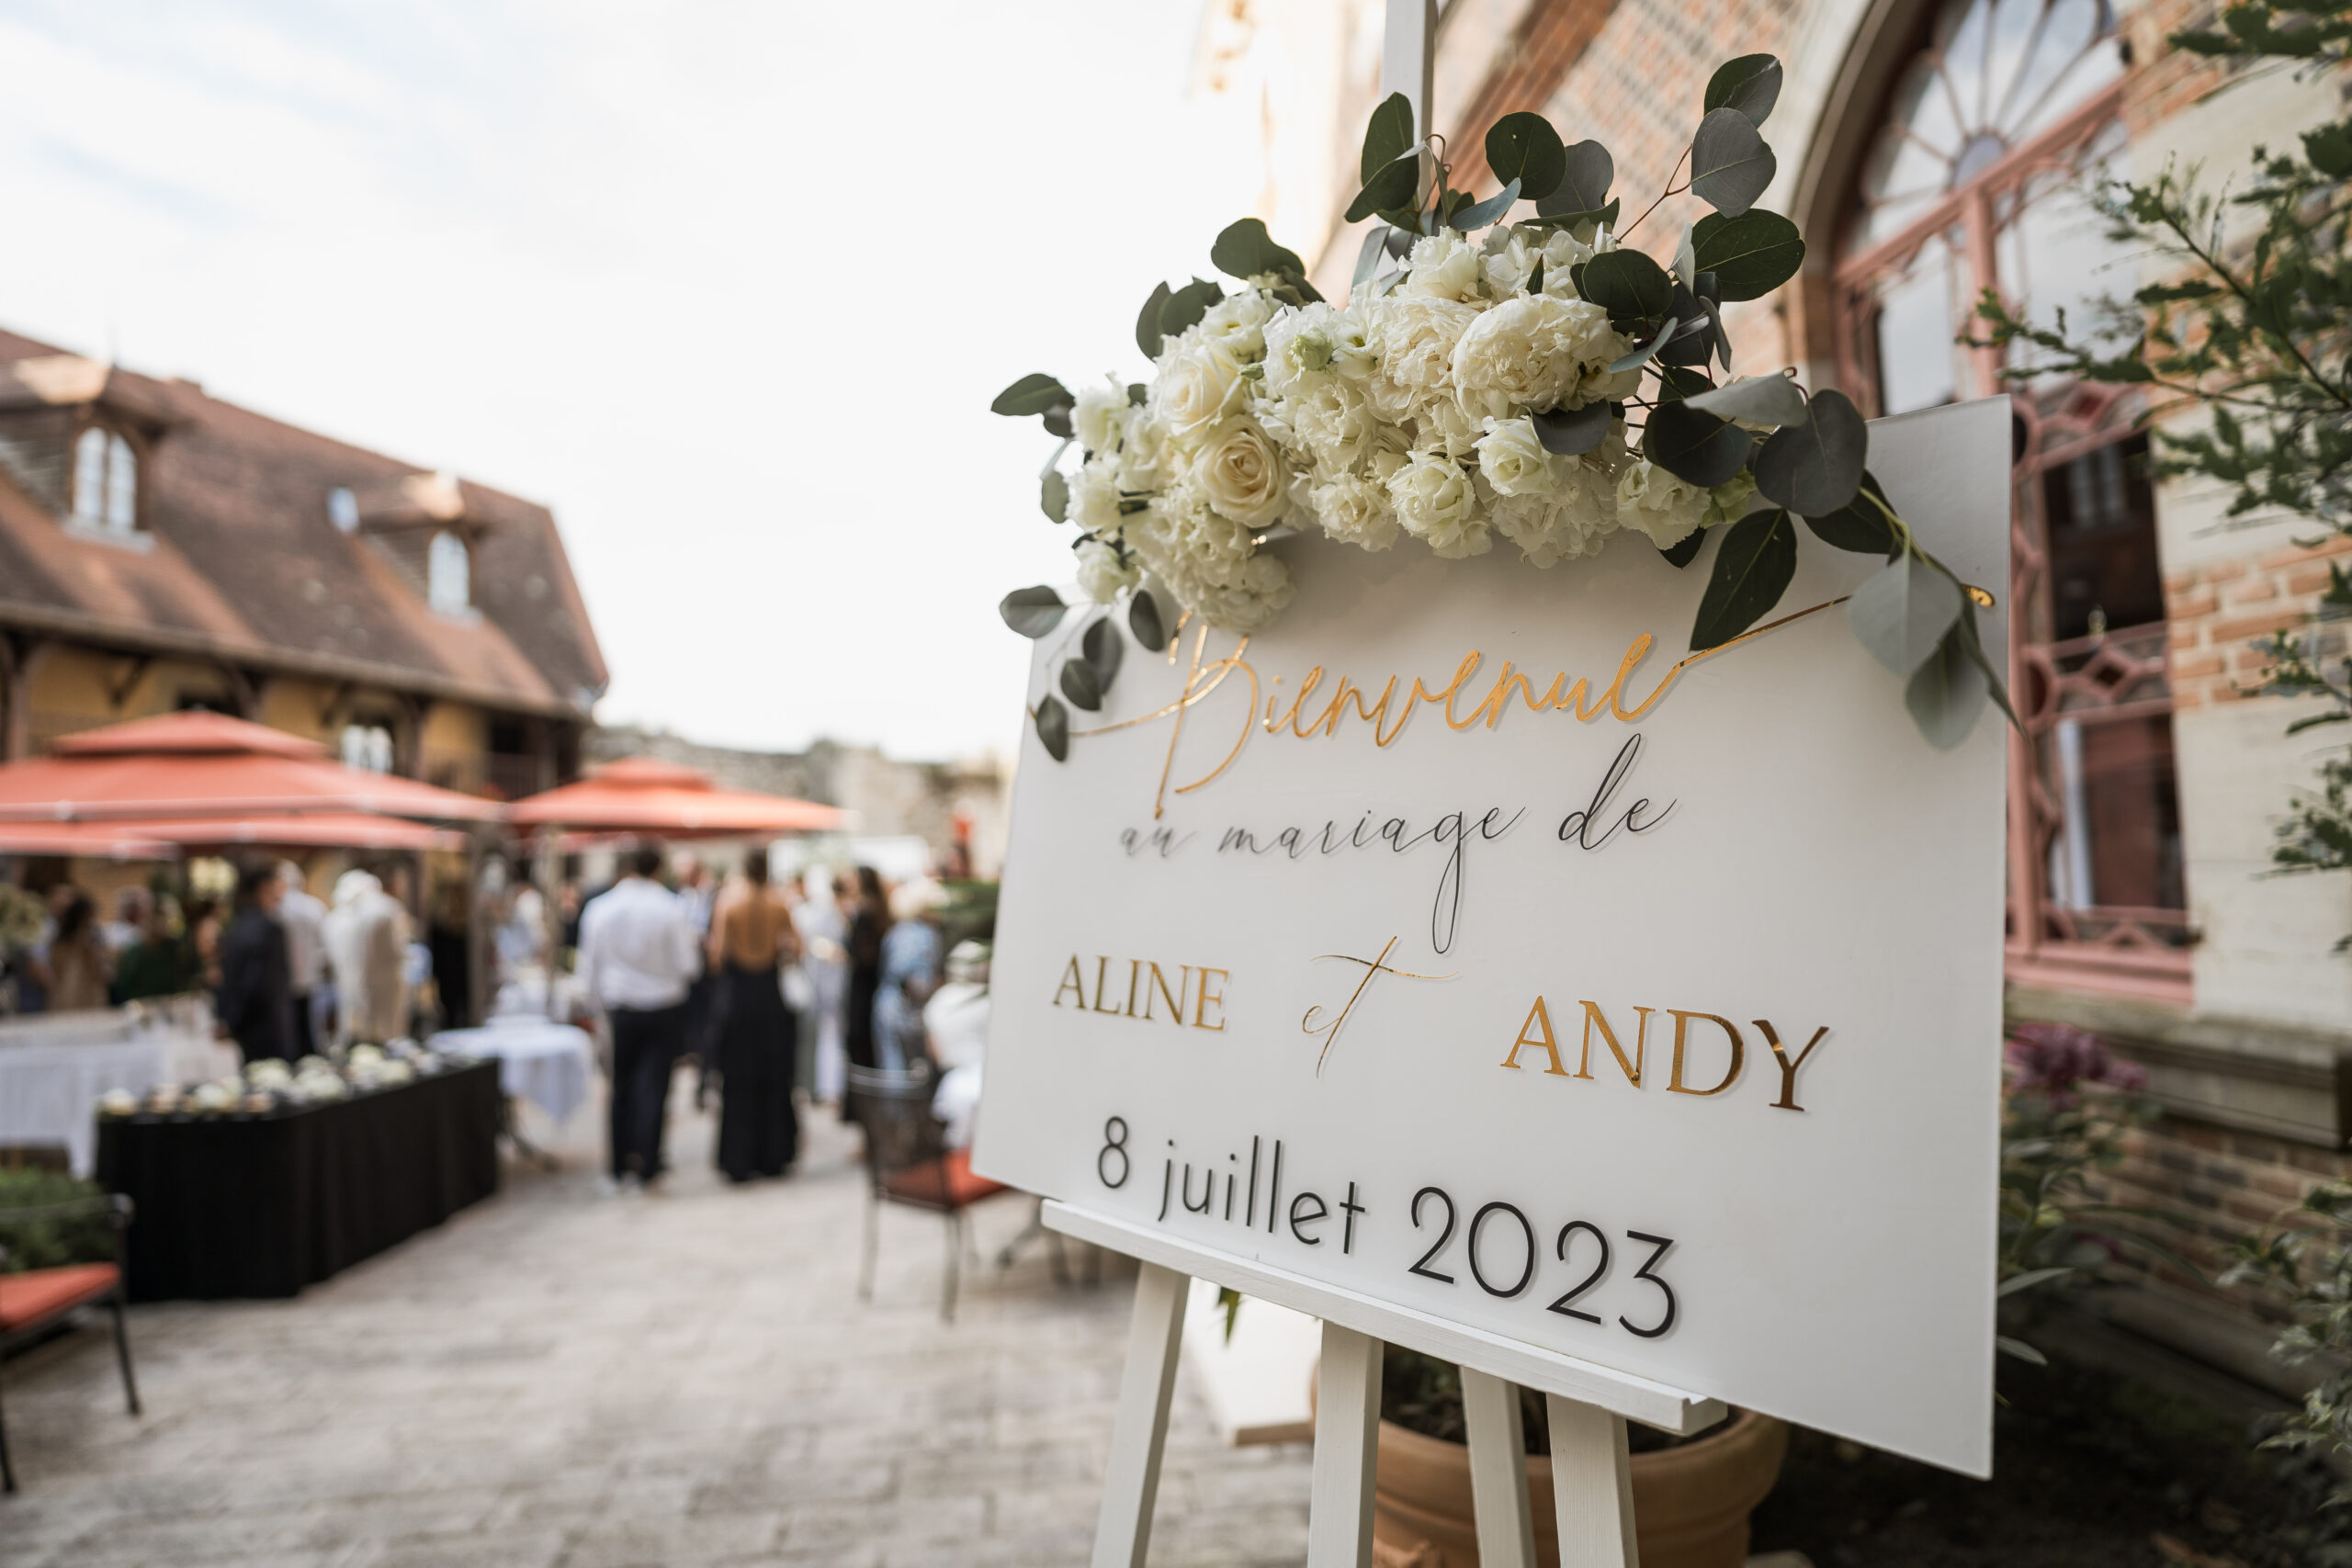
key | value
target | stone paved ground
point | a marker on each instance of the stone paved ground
(558, 1381)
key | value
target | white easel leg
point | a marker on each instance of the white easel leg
(1593, 1485)
(1498, 1472)
(1346, 1440)
(1139, 1430)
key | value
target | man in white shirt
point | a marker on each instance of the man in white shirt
(305, 919)
(638, 956)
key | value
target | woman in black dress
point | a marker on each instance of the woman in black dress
(752, 937)
(869, 920)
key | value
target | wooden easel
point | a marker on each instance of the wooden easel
(1587, 1405)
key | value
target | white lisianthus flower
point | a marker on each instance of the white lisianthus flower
(1658, 504)
(1101, 417)
(1209, 564)
(1300, 347)
(1441, 423)
(1509, 257)
(1436, 502)
(1728, 501)
(1094, 496)
(1332, 426)
(1513, 459)
(1443, 265)
(1237, 324)
(1417, 337)
(1356, 511)
(1240, 474)
(1532, 351)
(1143, 462)
(1102, 574)
(1198, 385)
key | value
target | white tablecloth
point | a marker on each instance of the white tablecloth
(54, 1070)
(545, 1063)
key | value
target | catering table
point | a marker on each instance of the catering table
(264, 1205)
(53, 1068)
(546, 1063)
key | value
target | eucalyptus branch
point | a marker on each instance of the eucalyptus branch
(1671, 190)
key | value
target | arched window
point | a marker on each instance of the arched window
(106, 481)
(448, 575)
(1979, 177)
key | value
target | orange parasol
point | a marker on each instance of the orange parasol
(645, 794)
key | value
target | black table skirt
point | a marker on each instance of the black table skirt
(233, 1208)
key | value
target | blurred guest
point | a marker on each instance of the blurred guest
(33, 978)
(755, 1033)
(160, 963)
(695, 894)
(255, 1002)
(825, 962)
(305, 919)
(202, 932)
(636, 957)
(955, 1023)
(910, 972)
(869, 918)
(448, 935)
(367, 942)
(79, 965)
(131, 906)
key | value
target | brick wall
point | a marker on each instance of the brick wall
(2218, 612)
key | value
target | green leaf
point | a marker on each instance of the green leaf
(1031, 394)
(2329, 149)
(1693, 446)
(1750, 256)
(1388, 137)
(1606, 217)
(1368, 259)
(1750, 84)
(1687, 552)
(1535, 279)
(1032, 611)
(1101, 649)
(1082, 685)
(1143, 619)
(1685, 267)
(1636, 358)
(1246, 250)
(2031, 1278)
(1525, 148)
(1901, 613)
(1148, 334)
(1571, 433)
(1814, 469)
(1730, 165)
(1391, 187)
(1187, 306)
(1056, 422)
(1946, 694)
(1859, 525)
(1486, 211)
(1752, 570)
(2020, 1349)
(1994, 679)
(1052, 496)
(1760, 400)
(1053, 727)
(1586, 172)
(1629, 286)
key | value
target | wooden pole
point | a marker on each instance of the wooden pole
(1498, 1470)
(1139, 1429)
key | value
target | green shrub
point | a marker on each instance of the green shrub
(51, 1240)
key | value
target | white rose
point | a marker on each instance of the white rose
(1356, 511)
(1196, 387)
(1101, 417)
(1513, 459)
(1436, 503)
(1240, 474)
(1417, 337)
(1656, 503)
(1102, 574)
(1532, 352)
(1094, 496)
(1143, 453)
(1237, 324)
(1443, 265)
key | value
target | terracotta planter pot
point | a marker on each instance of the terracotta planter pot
(1690, 1502)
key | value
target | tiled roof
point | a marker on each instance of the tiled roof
(245, 563)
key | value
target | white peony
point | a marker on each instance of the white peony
(1532, 351)
(1441, 423)
(1436, 502)
(1574, 520)
(1197, 386)
(1417, 337)
(1144, 465)
(1658, 504)
(1509, 257)
(1101, 417)
(1513, 459)
(1305, 346)
(1209, 563)
(1240, 474)
(1332, 426)
(1094, 496)
(1102, 574)
(1443, 265)
(1356, 511)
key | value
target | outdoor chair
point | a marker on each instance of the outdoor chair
(36, 1300)
(908, 1161)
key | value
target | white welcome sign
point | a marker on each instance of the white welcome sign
(1453, 949)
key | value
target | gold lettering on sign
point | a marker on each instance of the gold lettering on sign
(1380, 965)
(1787, 1100)
(1204, 1001)
(1674, 1083)
(1148, 982)
(1594, 1017)
(1539, 1016)
(1072, 980)
(1537, 1034)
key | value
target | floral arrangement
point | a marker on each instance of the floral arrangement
(1542, 383)
(269, 1084)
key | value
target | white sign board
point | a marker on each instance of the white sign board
(1659, 1029)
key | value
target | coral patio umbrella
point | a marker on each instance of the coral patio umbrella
(643, 794)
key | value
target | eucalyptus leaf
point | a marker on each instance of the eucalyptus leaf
(1947, 693)
(1715, 333)
(1571, 433)
(1053, 727)
(1758, 557)
(1587, 171)
(1536, 277)
(1057, 421)
(1032, 611)
(1730, 165)
(1629, 286)
(1148, 336)
(1814, 469)
(1400, 240)
(1973, 642)
(1388, 137)
(1686, 264)
(1859, 525)
(1103, 649)
(2032, 1277)
(1682, 554)
(1750, 256)
(1082, 685)
(1750, 84)
(1901, 613)
(1143, 619)
(2020, 1349)
(1525, 148)
(1643, 355)
(1187, 304)
(1031, 394)
(1760, 400)
(1052, 496)
(1486, 211)
(1137, 392)
(1246, 250)
(1693, 446)
(1393, 186)
(1368, 259)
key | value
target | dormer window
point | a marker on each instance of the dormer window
(448, 574)
(106, 481)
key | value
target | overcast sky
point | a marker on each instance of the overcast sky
(727, 284)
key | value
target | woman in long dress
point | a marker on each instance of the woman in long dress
(752, 937)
